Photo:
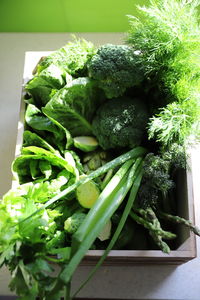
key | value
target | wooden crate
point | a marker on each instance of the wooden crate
(186, 244)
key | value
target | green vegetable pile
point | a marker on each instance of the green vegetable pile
(106, 135)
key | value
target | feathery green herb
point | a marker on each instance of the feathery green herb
(168, 38)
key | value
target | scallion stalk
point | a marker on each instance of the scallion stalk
(134, 189)
(99, 206)
(113, 202)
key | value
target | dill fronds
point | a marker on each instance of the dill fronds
(168, 36)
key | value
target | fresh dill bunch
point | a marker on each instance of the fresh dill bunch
(164, 28)
(178, 122)
(168, 37)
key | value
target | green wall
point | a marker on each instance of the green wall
(66, 15)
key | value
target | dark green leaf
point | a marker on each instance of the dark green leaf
(42, 85)
(74, 106)
(32, 139)
(48, 128)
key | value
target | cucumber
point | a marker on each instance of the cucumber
(86, 143)
(87, 194)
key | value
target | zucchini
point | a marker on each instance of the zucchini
(86, 143)
(87, 194)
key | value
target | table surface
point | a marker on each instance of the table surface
(122, 282)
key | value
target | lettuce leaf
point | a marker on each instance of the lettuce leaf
(39, 164)
(32, 139)
(74, 106)
(41, 85)
(48, 128)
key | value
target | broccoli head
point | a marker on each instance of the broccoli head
(158, 174)
(156, 181)
(157, 170)
(73, 222)
(120, 123)
(115, 68)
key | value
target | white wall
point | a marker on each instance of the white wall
(122, 282)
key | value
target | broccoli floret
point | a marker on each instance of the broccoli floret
(157, 180)
(148, 194)
(159, 174)
(120, 123)
(157, 171)
(72, 223)
(116, 68)
(176, 154)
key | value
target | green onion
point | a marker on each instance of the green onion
(99, 206)
(114, 200)
(136, 184)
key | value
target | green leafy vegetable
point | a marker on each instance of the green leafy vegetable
(32, 139)
(47, 127)
(42, 85)
(22, 201)
(55, 70)
(36, 163)
(72, 58)
(74, 106)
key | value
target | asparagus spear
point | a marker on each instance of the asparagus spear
(153, 225)
(180, 220)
